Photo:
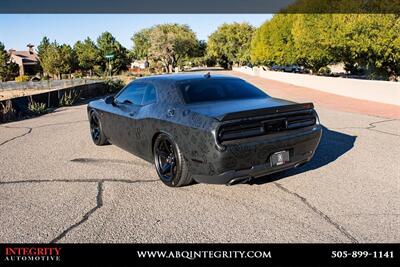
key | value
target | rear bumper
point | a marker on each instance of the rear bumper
(251, 160)
(251, 173)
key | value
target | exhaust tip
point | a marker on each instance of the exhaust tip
(239, 180)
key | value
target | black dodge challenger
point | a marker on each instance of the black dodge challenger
(206, 128)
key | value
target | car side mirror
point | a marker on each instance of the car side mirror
(109, 100)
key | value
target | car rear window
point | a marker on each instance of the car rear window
(206, 90)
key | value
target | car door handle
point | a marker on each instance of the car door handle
(133, 113)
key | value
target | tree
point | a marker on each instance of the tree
(87, 55)
(343, 7)
(170, 43)
(273, 42)
(58, 59)
(387, 45)
(198, 58)
(368, 41)
(44, 44)
(365, 43)
(200, 49)
(230, 44)
(294, 39)
(312, 35)
(8, 69)
(141, 44)
(49, 59)
(68, 59)
(108, 45)
(41, 50)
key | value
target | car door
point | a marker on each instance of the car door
(126, 106)
(140, 137)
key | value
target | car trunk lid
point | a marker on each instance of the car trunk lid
(245, 108)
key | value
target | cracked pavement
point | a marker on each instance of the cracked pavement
(56, 186)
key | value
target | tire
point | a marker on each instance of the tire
(171, 166)
(96, 131)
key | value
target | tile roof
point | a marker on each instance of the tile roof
(27, 57)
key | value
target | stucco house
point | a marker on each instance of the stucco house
(140, 64)
(28, 61)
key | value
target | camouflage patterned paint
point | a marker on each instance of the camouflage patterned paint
(134, 128)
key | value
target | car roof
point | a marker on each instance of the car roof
(185, 76)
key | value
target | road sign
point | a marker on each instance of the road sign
(111, 56)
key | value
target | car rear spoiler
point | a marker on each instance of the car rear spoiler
(265, 111)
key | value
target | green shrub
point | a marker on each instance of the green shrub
(36, 108)
(113, 86)
(78, 75)
(69, 98)
(21, 79)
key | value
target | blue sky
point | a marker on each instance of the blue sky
(18, 30)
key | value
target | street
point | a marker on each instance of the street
(57, 186)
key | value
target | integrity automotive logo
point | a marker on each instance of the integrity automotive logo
(31, 254)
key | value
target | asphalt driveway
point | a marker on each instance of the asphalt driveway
(56, 186)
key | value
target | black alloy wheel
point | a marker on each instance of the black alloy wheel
(96, 132)
(166, 160)
(170, 165)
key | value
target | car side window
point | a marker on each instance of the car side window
(132, 94)
(149, 95)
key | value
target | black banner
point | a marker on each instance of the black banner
(200, 254)
(199, 7)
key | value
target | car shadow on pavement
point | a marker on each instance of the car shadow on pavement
(332, 145)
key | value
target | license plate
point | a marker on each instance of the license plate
(279, 158)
